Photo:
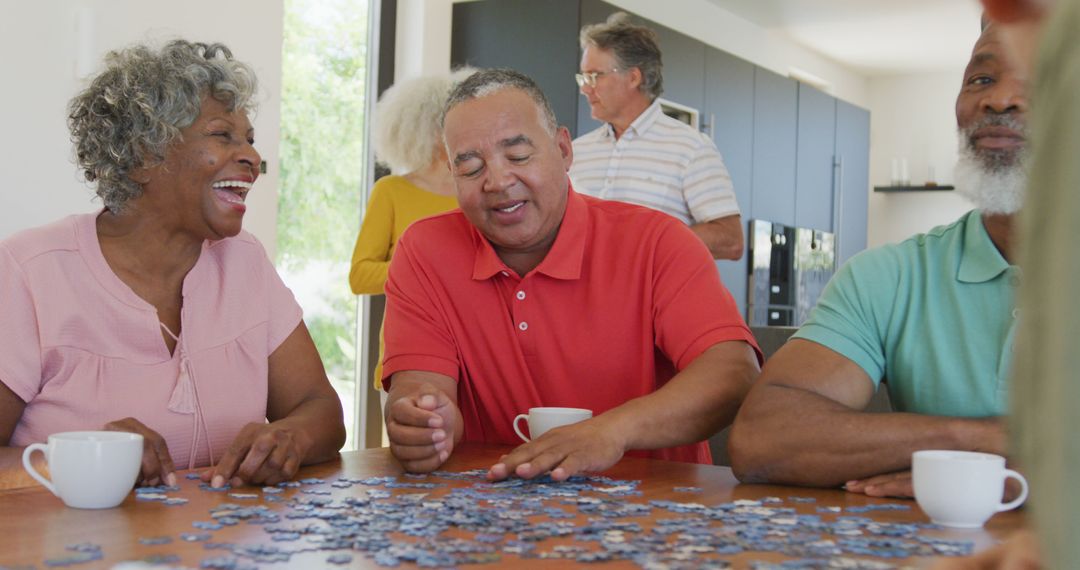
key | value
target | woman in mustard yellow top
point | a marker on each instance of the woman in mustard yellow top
(408, 139)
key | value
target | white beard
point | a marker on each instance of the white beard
(993, 188)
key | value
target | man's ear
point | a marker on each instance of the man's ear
(566, 146)
(636, 78)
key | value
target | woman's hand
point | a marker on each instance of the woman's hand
(262, 454)
(157, 465)
(305, 421)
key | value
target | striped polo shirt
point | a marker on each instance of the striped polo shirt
(659, 163)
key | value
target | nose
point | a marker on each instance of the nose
(499, 176)
(1008, 95)
(250, 157)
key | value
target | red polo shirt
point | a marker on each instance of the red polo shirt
(625, 297)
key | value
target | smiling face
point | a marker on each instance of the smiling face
(992, 106)
(510, 173)
(991, 118)
(201, 185)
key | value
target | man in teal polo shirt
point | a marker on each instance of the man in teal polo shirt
(932, 317)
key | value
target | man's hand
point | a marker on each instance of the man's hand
(157, 464)
(888, 485)
(697, 402)
(261, 454)
(423, 423)
(591, 445)
(900, 485)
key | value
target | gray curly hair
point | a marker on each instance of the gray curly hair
(489, 81)
(406, 129)
(633, 46)
(131, 112)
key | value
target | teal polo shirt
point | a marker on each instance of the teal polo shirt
(931, 316)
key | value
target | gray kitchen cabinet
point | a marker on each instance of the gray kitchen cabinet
(852, 181)
(684, 60)
(774, 147)
(728, 117)
(535, 37)
(814, 159)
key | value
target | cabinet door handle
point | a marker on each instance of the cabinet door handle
(838, 205)
(709, 128)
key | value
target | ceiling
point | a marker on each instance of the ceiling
(872, 37)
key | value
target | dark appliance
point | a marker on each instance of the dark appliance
(789, 267)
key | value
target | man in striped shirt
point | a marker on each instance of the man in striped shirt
(640, 155)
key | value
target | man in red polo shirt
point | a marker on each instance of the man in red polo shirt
(533, 295)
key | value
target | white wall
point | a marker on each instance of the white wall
(40, 47)
(422, 38)
(913, 117)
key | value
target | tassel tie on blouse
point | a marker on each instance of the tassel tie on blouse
(185, 400)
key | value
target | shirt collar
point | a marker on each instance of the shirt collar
(563, 260)
(642, 123)
(980, 260)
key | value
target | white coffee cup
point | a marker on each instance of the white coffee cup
(543, 419)
(90, 469)
(962, 488)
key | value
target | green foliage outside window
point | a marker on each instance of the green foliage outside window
(322, 164)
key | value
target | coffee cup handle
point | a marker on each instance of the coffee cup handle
(517, 429)
(1023, 491)
(30, 449)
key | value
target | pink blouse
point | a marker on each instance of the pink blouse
(82, 349)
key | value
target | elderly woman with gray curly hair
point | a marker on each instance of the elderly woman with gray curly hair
(158, 314)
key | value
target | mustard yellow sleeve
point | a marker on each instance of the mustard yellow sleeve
(371, 256)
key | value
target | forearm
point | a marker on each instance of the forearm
(12, 474)
(723, 237)
(792, 436)
(319, 422)
(371, 254)
(698, 402)
(368, 277)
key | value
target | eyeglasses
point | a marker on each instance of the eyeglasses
(590, 78)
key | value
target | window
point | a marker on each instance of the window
(323, 162)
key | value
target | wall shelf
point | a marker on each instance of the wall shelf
(912, 188)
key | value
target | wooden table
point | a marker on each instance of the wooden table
(35, 525)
